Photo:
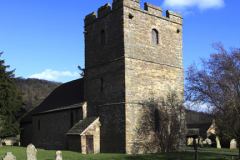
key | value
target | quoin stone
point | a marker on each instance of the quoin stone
(58, 155)
(233, 144)
(9, 156)
(31, 152)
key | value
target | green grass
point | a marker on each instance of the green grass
(214, 149)
(20, 153)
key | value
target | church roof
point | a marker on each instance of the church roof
(80, 126)
(203, 127)
(66, 96)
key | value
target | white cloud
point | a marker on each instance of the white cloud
(48, 74)
(201, 4)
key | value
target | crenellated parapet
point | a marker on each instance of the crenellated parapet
(90, 18)
(134, 4)
(174, 16)
(104, 10)
(153, 9)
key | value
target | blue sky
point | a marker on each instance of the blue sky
(44, 38)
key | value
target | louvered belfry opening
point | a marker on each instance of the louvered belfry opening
(154, 36)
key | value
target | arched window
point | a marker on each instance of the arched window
(38, 124)
(103, 38)
(154, 36)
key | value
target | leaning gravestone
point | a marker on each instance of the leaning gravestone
(9, 156)
(31, 152)
(58, 155)
(233, 144)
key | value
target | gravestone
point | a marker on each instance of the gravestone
(233, 144)
(58, 155)
(209, 142)
(188, 141)
(218, 142)
(201, 142)
(31, 152)
(9, 142)
(9, 156)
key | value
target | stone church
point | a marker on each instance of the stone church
(131, 54)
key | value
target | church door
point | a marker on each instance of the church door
(89, 144)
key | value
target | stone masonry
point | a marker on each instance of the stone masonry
(128, 69)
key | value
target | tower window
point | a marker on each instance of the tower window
(103, 38)
(157, 120)
(38, 124)
(101, 85)
(154, 36)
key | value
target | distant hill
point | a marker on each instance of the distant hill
(34, 90)
(193, 117)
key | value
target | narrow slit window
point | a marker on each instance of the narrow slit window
(101, 85)
(103, 38)
(154, 36)
(38, 124)
(157, 123)
(71, 118)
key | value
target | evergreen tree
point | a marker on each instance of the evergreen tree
(10, 102)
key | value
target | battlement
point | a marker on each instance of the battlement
(104, 10)
(153, 9)
(134, 4)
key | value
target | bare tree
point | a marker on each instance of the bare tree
(217, 84)
(159, 129)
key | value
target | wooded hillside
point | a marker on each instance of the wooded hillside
(34, 90)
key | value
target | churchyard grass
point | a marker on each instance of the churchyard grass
(214, 149)
(20, 153)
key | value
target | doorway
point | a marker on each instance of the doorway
(89, 144)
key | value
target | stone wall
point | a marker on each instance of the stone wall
(151, 70)
(26, 134)
(74, 143)
(53, 127)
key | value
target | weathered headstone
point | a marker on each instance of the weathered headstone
(201, 142)
(9, 156)
(8, 142)
(233, 144)
(218, 142)
(31, 152)
(58, 155)
(188, 140)
(209, 142)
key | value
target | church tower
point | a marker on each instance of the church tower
(131, 54)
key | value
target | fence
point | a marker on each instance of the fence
(31, 154)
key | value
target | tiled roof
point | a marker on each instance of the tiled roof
(66, 96)
(80, 126)
(203, 127)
